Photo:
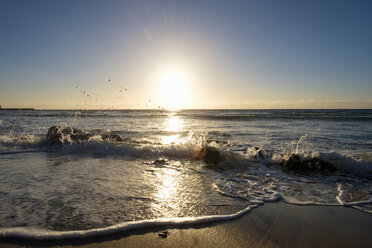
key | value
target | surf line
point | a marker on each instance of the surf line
(44, 234)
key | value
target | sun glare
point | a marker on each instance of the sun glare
(173, 124)
(173, 82)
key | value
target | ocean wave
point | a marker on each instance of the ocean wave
(241, 115)
(188, 147)
(229, 115)
(282, 116)
(93, 113)
(346, 198)
(252, 177)
(16, 142)
(182, 145)
(139, 171)
(42, 234)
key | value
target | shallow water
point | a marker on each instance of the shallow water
(153, 174)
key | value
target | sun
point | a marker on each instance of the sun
(173, 84)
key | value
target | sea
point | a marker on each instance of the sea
(153, 176)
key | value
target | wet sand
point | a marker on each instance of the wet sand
(271, 225)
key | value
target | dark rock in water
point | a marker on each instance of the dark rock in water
(54, 135)
(212, 156)
(296, 164)
(65, 135)
(112, 137)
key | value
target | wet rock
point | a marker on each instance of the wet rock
(65, 135)
(296, 164)
(211, 156)
(111, 137)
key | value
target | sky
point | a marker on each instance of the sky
(185, 54)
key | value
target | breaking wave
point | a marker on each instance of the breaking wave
(183, 145)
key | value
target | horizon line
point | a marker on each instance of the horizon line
(157, 109)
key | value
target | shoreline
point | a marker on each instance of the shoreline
(272, 225)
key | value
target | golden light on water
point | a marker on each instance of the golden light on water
(173, 124)
(167, 191)
(167, 201)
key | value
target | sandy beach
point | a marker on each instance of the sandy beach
(271, 225)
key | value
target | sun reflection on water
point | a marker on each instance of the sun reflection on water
(169, 178)
(173, 124)
(167, 192)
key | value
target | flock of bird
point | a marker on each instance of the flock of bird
(95, 98)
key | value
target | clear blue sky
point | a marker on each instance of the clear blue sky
(232, 54)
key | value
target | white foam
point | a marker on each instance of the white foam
(363, 209)
(340, 199)
(308, 203)
(43, 234)
(22, 141)
(99, 147)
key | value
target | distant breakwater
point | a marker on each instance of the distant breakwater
(16, 109)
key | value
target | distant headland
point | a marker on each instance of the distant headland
(1, 108)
